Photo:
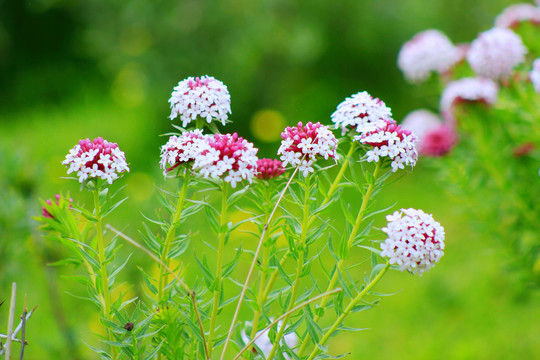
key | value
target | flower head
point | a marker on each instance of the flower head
(392, 141)
(182, 149)
(468, 90)
(269, 168)
(495, 53)
(228, 156)
(428, 51)
(205, 97)
(515, 14)
(358, 111)
(435, 138)
(301, 145)
(265, 345)
(96, 159)
(415, 240)
(534, 75)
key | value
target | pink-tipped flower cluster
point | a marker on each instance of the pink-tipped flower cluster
(96, 159)
(269, 168)
(468, 90)
(427, 52)
(230, 157)
(392, 141)
(359, 111)
(203, 97)
(46, 213)
(182, 149)
(534, 75)
(435, 138)
(515, 14)
(301, 145)
(415, 240)
(495, 53)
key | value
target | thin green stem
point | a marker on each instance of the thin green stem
(348, 309)
(341, 263)
(171, 233)
(221, 246)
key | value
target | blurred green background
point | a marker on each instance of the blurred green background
(78, 69)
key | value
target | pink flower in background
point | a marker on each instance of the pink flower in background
(203, 97)
(428, 51)
(534, 75)
(358, 111)
(182, 149)
(415, 240)
(301, 145)
(495, 53)
(513, 15)
(468, 90)
(392, 141)
(46, 213)
(96, 159)
(269, 168)
(435, 138)
(227, 156)
(264, 343)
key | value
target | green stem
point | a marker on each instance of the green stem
(350, 241)
(106, 295)
(218, 281)
(171, 233)
(347, 310)
(299, 267)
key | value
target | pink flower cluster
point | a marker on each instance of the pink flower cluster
(515, 14)
(468, 90)
(435, 137)
(392, 141)
(358, 111)
(301, 145)
(96, 159)
(269, 168)
(415, 240)
(45, 212)
(203, 97)
(182, 149)
(228, 156)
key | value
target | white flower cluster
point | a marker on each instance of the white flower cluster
(534, 75)
(358, 111)
(515, 14)
(96, 159)
(415, 240)
(205, 97)
(182, 149)
(228, 156)
(495, 53)
(301, 145)
(265, 345)
(468, 90)
(428, 51)
(390, 140)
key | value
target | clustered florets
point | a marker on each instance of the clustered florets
(392, 141)
(182, 149)
(269, 168)
(358, 111)
(495, 53)
(515, 14)
(428, 51)
(302, 144)
(435, 138)
(203, 97)
(534, 75)
(415, 240)
(228, 156)
(468, 90)
(96, 159)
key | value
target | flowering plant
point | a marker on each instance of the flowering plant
(292, 287)
(485, 139)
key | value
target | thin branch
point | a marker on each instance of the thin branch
(180, 281)
(23, 329)
(293, 310)
(10, 321)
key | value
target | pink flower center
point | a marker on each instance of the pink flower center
(197, 83)
(104, 147)
(390, 126)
